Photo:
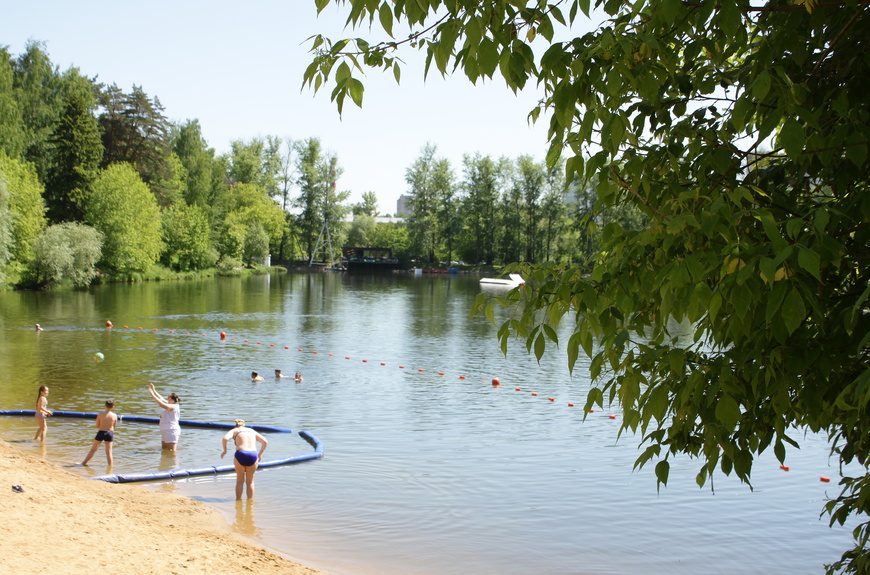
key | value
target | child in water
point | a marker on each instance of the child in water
(42, 412)
(257, 377)
(105, 432)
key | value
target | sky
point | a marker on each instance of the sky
(237, 67)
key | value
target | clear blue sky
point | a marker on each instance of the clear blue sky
(237, 67)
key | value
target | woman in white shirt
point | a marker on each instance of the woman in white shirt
(170, 430)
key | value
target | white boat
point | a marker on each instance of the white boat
(513, 280)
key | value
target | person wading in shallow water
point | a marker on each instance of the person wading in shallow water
(246, 458)
(170, 429)
(105, 432)
(42, 412)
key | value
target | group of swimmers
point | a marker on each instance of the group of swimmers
(246, 458)
(278, 375)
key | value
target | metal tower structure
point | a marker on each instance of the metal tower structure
(323, 246)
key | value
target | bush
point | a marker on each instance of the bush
(67, 251)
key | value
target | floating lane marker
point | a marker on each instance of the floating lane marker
(824, 479)
(610, 416)
(495, 381)
(784, 467)
(552, 398)
(178, 473)
(533, 393)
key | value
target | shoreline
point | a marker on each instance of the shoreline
(63, 523)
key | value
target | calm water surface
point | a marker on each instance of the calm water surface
(424, 473)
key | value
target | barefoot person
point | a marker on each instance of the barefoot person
(42, 412)
(105, 432)
(170, 430)
(246, 458)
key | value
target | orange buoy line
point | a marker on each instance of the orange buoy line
(495, 381)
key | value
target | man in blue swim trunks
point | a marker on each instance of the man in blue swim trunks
(105, 432)
(246, 458)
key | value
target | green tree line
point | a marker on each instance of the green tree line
(97, 182)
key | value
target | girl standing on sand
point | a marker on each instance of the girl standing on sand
(170, 430)
(42, 412)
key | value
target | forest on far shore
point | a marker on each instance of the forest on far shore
(96, 183)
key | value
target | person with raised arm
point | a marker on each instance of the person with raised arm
(170, 429)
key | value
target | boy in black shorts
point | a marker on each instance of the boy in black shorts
(106, 432)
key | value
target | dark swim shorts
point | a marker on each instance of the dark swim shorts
(105, 436)
(246, 458)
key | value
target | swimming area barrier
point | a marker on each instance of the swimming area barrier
(317, 453)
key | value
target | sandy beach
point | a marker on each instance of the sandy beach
(62, 523)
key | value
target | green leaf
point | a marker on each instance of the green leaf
(356, 91)
(663, 469)
(809, 261)
(385, 15)
(794, 312)
(792, 138)
(728, 411)
(540, 346)
(761, 86)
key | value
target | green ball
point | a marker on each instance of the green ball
(98, 357)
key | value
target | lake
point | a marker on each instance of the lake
(428, 468)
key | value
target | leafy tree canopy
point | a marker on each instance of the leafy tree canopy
(123, 208)
(740, 130)
(25, 204)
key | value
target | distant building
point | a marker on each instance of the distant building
(403, 206)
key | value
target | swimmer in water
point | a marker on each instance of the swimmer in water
(246, 458)
(257, 377)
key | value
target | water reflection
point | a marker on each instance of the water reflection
(244, 521)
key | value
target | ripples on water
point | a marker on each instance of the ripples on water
(423, 473)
